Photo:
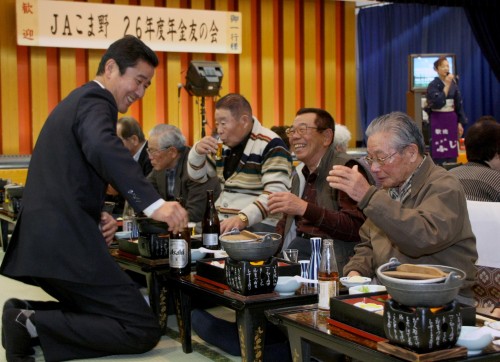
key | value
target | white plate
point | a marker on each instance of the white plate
(345, 281)
(494, 325)
(473, 353)
(362, 289)
(286, 293)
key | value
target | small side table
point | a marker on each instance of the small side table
(250, 311)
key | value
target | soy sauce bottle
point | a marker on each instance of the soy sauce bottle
(179, 252)
(328, 275)
(210, 224)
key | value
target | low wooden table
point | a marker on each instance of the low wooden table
(153, 271)
(6, 218)
(250, 311)
(309, 324)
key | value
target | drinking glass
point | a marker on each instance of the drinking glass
(291, 255)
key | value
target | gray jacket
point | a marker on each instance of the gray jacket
(430, 227)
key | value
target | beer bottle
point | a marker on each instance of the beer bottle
(328, 275)
(210, 224)
(179, 252)
(129, 221)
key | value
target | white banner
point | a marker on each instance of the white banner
(63, 24)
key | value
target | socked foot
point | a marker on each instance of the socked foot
(15, 337)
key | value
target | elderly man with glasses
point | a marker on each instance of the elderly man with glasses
(169, 157)
(313, 209)
(419, 215)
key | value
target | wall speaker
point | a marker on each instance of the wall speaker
(203, 78)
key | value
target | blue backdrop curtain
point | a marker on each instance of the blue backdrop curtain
(388, 34)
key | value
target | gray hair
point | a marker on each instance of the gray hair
(403, 129)
(168, 136)
(341, 138)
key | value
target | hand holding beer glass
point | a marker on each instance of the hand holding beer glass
(210, 145)
(218, 154)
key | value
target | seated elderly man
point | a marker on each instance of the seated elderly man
(313, 209)
(169, 156)
(418, 216)
(255, 162)
(480, 176)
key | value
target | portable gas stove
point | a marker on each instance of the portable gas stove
(422, 329)
(250, 278)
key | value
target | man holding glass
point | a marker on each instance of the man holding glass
(255, 163)
(419, 215)
(313, 209)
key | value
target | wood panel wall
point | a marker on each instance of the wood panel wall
(296, 53)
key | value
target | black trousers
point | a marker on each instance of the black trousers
(91, 321)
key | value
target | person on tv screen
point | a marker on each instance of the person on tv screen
(446, 114)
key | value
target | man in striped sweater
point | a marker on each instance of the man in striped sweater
(255, 162)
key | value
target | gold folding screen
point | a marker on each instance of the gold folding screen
(295, 54)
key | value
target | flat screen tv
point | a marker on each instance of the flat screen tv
(421, 69)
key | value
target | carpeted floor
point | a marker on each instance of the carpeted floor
(169, 348)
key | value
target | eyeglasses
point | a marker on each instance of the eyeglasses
(380, 161)
(301, 130)
(153, 152)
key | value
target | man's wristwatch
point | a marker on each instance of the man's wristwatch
(243, 218)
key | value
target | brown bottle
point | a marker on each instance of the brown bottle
(328, 275)
(179, 253)
(210, 225)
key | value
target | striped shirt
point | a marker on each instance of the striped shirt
(265, 167)
(480, 182)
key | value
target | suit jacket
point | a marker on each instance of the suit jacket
(144, 161)
(76, 155)
(193, 193)
(146, 167)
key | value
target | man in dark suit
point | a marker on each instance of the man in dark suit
(60, 240)
(130, 132)
(132, 136)
(169, 154)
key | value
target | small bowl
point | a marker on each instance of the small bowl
(123, 234)
(494, 325)
(360, 281)
(474, 340)
(363, 289)
(196, 254)
(287, 285)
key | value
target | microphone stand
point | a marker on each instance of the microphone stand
(203, 119)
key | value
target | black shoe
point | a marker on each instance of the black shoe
(15, 337)
(17, 304)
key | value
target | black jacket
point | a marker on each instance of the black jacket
(76, 155)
